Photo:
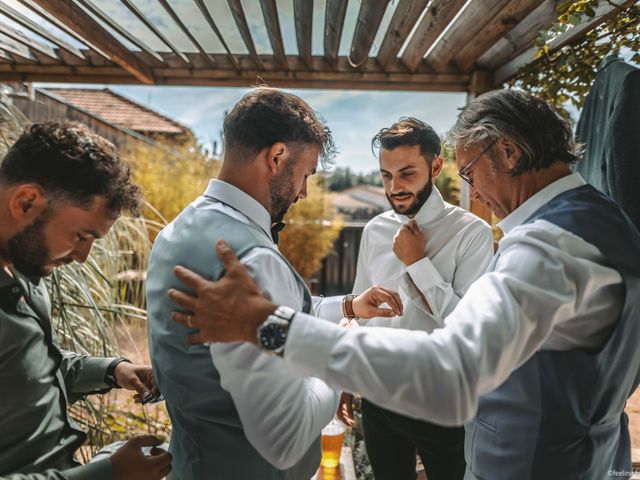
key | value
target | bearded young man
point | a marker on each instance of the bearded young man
(61, 187)
(430, 252)
(236, 411)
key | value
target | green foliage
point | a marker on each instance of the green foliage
(171, 177)
(312, 227)
(12, 122)
(565, 76)
(343, 178)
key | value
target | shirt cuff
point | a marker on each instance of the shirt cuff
(330, 308)
(99, 470)
(309, 343)
(424, 274)
(92, 378)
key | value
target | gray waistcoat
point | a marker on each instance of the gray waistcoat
(207, 442)
(560, 415)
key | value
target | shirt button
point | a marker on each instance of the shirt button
(15, 290)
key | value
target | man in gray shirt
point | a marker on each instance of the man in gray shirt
(61, 187)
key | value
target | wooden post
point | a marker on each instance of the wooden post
(481, 82)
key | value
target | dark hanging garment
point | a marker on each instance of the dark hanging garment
(609, 128)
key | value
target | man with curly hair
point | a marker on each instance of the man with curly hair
(61, 187)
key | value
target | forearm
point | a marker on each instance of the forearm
(439, 377)
(281, 415)
(328, 308)
(83, 374)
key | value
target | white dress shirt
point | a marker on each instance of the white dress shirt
(281, 413)
(545, 289)
(459, 246)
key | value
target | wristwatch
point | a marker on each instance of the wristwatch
(272, 334)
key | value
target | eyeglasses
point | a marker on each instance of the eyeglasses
(462, 173)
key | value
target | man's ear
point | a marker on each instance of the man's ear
(277, 155)
(27, 202)
(510, 153)
(436, 166)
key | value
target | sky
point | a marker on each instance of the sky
(354, 117)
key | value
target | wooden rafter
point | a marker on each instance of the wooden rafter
(17, 49)
(37, 29)
(212, 24)
(270, 13)
(143, 18)
(467, 28)
(303, 17)
(241, 22)
(439, 14)
(501, 23)
(404, 18)
(520, 37)
(335, 12)
(369, 18)
(31, 43)
(38, 10)
(89, 5)
(73, 16)
(169, 9)
(446, 44)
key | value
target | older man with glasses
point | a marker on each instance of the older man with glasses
(539, 357)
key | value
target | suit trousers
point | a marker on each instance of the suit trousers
(392, 441)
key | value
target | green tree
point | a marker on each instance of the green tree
(312, 227)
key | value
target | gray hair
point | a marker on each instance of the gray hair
(543, 136)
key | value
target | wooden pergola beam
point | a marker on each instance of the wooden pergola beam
(212, 24)
(520, 37)
(31, 43)
(116, 26)
(243, 27)
(335, 13)
(270, 13)
(467, 28)
(369, 19)
(303, 18)
(507, 18)
(37, 29)
(169, 9)
(18, 49)
(147, 23)
(73, 16)
(439, 14)
(301, 78)
(38, 10)
(404, 18)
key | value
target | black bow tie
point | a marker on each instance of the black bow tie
(276, 228)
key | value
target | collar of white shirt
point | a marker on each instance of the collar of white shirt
(529, 207)
(240, 201)
(428, 212)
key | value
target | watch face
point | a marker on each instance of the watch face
(273, 336)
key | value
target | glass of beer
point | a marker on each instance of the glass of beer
(332, 438)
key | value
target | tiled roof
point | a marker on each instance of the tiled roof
(119, 110)
(361, 196)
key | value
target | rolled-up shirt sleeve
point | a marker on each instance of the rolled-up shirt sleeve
(505, 317)
(282, 413)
